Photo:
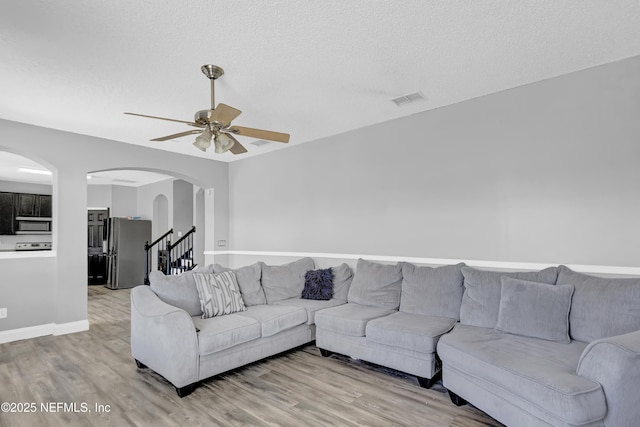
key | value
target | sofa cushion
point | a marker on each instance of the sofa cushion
(222, 332)
(535, 310)
(349, 319)
(249, 282)
(601, 307)
(311, 306)
(481, 298)
(285, 281)
(219, 293)
(409, 331)
(276, 318)
(537, 375)
(376, 285)
(342, 278)
(179, 290)
(432, 291)
(318, 284)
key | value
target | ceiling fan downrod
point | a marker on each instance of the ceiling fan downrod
(212, 72)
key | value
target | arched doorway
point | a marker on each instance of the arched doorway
(26, 204)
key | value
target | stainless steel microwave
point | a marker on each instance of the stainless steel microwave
(33, 225)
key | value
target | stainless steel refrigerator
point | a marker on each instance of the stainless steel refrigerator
(124, 241)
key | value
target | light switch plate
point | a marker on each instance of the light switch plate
(3, 313)
(222, 243)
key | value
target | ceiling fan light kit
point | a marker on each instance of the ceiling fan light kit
(216, 124)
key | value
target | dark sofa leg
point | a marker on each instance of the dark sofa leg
(429, 382)
(140, 364)
(186, 390)
(457, 400)
(325, 353)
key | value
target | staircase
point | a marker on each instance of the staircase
(173, 258)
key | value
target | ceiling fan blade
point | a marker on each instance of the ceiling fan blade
(260, 134)
(177, 135)
(237, 148)
(224, 114)
(164, 118)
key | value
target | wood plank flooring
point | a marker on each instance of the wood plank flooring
(298, 388)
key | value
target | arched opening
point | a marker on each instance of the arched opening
(26, 204)
(163, 199)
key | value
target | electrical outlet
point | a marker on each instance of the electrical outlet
(3, 313)
(222, 243)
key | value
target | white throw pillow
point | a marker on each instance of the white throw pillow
(219, 293)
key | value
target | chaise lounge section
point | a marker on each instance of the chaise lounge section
(546, 351)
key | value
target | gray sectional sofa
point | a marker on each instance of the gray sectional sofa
(547, 348)
(169, 335)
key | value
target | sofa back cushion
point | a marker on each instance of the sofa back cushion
(432, 291)
(342, 278)
(536, 310)
(376, 285)
(481, 298)
(282, 282)
(601, 307)
(179, 290)
(249, 282)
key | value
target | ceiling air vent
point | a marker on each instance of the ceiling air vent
(260, 142)
(408, 99)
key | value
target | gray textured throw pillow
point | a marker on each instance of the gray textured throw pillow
(282, 282)
(342, 278)
(536, 310)
(481, 298)
(432, 291)
(601, 307)
(376, 285)
(219, 294)
(249, 282)
(179, 290)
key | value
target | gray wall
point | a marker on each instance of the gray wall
(124, 201)
(62, 280)
(182, 207)
(544, 173)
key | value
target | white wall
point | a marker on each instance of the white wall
(65, 269)
(124, 201)
(544, 173)
(99, 196)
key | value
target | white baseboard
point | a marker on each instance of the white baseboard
(42, 330)
(498, 265)
(71, 327)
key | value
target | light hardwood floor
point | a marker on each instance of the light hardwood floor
(298, 388)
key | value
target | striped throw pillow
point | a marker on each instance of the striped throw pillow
(219, 293)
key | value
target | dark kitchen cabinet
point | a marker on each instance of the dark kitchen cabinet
(45, 206)
(7, 213)
(38, 205)
(26, 204)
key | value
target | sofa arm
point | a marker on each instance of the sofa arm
(615, 363)
(163, 337)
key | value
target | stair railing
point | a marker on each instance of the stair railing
(163, 241)
(180, 254)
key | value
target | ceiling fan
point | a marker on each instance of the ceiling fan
(215, 124)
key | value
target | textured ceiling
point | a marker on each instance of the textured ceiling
(309, 68)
